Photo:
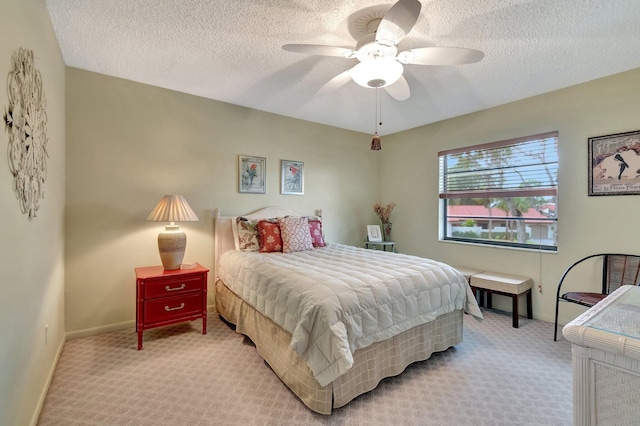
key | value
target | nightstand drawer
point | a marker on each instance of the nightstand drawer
(173, 286)
(172, 307)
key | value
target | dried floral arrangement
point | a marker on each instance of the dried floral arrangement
(384, 212)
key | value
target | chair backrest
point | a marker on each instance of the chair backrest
(619, 270)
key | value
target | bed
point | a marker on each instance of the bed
(332, 320)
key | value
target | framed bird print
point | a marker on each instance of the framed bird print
(614, 164)
(292, 178)
(252, 174)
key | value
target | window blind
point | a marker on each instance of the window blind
(521, 167)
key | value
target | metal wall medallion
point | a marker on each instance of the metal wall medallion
(26, 123)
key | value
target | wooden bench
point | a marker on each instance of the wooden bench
(502, 284)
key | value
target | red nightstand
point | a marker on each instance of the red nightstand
(169, 297)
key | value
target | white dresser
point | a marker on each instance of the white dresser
(606, 360)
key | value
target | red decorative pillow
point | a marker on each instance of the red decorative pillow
(295, 234)
(315, 229)
(269, 236)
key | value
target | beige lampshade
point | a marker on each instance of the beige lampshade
(173, 208)
(172, 242)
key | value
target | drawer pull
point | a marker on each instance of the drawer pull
(182, 286)
(168, 309)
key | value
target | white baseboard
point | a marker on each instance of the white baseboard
(99, 330)
(45, 389)
(113, 327)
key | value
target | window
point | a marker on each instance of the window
(502, 193)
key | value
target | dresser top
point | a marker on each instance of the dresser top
(159, 271)
(622, 315)
(613, 325)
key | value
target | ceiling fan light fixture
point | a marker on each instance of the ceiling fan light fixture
(406, 57)
(379, 72)
(380, 63)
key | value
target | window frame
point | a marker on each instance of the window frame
(531, 189)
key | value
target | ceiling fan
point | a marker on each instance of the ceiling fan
(380, 64)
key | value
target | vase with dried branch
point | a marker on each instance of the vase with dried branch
(384, 213)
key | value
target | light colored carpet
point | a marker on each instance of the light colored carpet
(498, 375)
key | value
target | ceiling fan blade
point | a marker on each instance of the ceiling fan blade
(335, 83)
(440, 56)
(398, 21)
(399, 90)
(319, 49)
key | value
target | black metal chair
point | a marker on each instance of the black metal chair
(617, 270)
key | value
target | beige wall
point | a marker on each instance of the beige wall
(31, 252)
(587, 225)
(129, 144)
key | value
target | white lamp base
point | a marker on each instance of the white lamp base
(171, 243)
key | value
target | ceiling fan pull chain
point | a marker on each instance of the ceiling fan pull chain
(375, 142)
(379, 107)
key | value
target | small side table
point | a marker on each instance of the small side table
(384, 244)
(169, 297)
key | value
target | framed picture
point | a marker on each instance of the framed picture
(614, 164)
(374, 233)
(252, 174)
(292, 176)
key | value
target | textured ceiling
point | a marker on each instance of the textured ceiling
(231, 51)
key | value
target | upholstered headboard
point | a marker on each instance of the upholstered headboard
(224, 237)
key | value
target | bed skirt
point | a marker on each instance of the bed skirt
(371, 364)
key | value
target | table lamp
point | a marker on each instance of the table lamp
(172, 241)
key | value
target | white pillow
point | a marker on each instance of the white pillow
(295, 234)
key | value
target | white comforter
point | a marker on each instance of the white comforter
(337, 299)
